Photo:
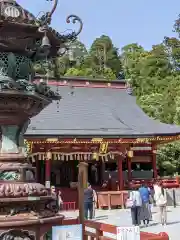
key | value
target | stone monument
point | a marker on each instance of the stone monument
(24, 39)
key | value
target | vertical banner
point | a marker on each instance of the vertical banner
(128, 233)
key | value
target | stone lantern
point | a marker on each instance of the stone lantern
(24, 39)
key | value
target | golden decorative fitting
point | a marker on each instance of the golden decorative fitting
(49, 155)
(95, 156)
(103, 148)
(52, 139)
(97, 140)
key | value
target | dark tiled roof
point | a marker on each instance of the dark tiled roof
(97, 112)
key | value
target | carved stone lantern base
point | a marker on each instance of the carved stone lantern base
(24, 211)
(24, 40)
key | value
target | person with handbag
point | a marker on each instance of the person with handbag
(94, 202)
(134, 202)
(161, 202)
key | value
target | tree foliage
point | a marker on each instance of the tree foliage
(168, 158)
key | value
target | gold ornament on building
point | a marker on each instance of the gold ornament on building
(103, 148)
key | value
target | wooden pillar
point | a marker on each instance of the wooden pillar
(102, 171)
(129, 169)
(82, 184)
(154, 162)
(120, 173)
(38, 169)
(48, 170)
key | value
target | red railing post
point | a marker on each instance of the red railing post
(99, 234)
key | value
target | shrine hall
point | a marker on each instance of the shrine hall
(100, 123)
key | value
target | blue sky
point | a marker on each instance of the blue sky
(125, 21)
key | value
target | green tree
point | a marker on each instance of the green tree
(107, 74)
(151, 104)
(156, 64)
(168, 158)
(172, 46)
(103, 53)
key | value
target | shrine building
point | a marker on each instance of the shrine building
(100, 123)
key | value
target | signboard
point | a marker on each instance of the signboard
(69, 232)
(48, 184)
(128, 233)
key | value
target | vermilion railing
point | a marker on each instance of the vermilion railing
(68, 206)
(101, 228)
(97, 231)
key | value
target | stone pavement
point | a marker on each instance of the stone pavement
(122, 218)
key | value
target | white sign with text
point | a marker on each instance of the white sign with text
(128, 233)
(67, 232)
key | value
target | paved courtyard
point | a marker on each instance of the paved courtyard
(122, 218)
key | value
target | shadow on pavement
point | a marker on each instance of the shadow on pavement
(153, 224)
(171, 223)
(101, 217)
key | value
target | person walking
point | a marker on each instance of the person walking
(161, 201)
(134, 202)
(88, 202)
(146, 215)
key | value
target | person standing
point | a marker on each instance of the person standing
(94, 202)
(54, 203)
(88, 202)
(161, 201)
(60, 201)
(135, 204)
(146, 215)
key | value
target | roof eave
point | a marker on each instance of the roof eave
(101, 135)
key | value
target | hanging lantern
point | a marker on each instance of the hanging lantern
(45, 43)
(130, 154)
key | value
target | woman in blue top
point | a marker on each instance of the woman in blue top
(145, 209)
